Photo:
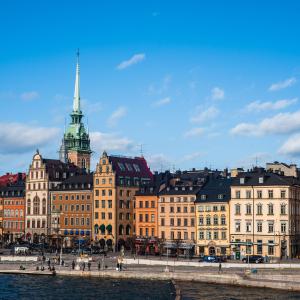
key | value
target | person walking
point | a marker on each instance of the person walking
(83, 267)
(73, 265)
(89, 266)
(220, 267)
(99, 266)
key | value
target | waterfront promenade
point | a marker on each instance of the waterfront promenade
(277, 276)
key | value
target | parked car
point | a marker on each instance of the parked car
(253, 259)
(208, 258)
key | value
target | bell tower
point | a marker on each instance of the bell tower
(75, 145)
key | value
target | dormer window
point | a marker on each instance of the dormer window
(220, 196)
(260, 180)
(121, 166)
(242, 180)
(136, 167)
(191, 188)
(176, 188)
(203, 197)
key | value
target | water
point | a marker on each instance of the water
(56, 287)
(204, 291)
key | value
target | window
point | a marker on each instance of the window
(282, 194)
(248, 209)
(223, 220)
(223, 235)
(172, 221)
(28, 206)
(208, 220)
(96, 203)
(248, 246)
(223, 208)
(121, 166)
(152, 204)
(216, 220)
(270, 248)
(186, 236)
(200, 208)
(103, 216)
(66, 221)
(216, 235)
(178, 209)
(171, 209)
(215, 208)
(141, 218)
(178, 222)
(82, 221)
(248, 194)
(208, 235)
(201, 222)
(238, 194)
(36, 205)
(270, 226)
(172, 235)
(283, 227)
(192, 222)
(248, 226)
(238, 226)
(237, 209)
(103, 192)
(103, 203)
(162, 222)
(110, 216)
(146, 218)
(97, 192)
(259, 247)
(259, 209)
(259, 226)
(270, 194)
(270, 209)
(152, 218)
(283, 209)
(259, 194)
(162, 209)
(185, 210)
(96, 215)
(201, 235)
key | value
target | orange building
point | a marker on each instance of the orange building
(1, 219)
(146, 201)
(71, 214)
(13, 201)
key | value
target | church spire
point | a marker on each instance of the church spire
(76, 101)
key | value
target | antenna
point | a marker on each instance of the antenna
(256, 161)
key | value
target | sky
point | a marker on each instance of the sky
(191, 84)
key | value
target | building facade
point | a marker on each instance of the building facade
(116, 181)
(72, 208)
(265, 215)
(177, 217)
(43, 176)
(212, 214)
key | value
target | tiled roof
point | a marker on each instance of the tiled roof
(77, 182)
(215, 190)
(11, 178)
(180, 190)
(17, 190)
(130, 167)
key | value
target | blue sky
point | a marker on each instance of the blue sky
(198, 83)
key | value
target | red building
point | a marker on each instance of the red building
(13, 199)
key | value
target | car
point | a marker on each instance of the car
(208, 258)
(257, 259)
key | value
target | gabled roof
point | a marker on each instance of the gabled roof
(130, 167)
(215, 190)
(9, 178)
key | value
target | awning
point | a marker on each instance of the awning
(87, 232)
(82, 232)
(71, 232)
(186, 246)
(109, 227)
(66, 232)
(77, 232)
(102, 227)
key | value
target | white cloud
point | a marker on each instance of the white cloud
(217, 93)
(110, 142)
(161, 88)
(291, 146)
(258, 106)
(282, 84)
(116, 116)
(162, 102)
(279, 124)
(27, 96)
(198, 131)
(204, 115)
(21, 138)
(136, 58)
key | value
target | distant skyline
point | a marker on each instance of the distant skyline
(197, 84)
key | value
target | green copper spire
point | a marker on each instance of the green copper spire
(75, 137)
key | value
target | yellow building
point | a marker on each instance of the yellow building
(116, 180)
(212, 213)
(264, 215)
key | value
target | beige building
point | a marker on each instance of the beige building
(212, 215)
(176, 217)
(116, 180)
(282, 168)
(44, 174)
(265, 215)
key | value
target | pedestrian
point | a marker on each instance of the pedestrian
(62, 262)
(73, 265)
(89, 266)
(220, 267)
(118, 264)
(99, 266)
(83, 266)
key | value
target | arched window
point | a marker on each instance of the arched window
(270, 209)
(44, 206)
(128, 230)
(83, 163)
(121, 230)
(28, 207)
(21, 212)
(36, 205)
(216, 220)
(223, 220)
(12, 213)
(17, 213)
